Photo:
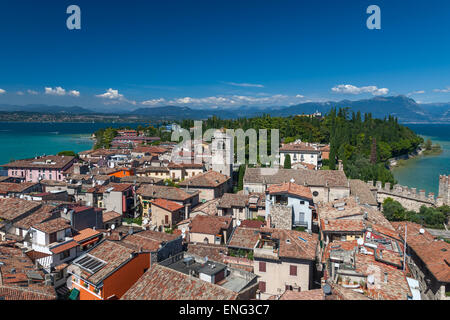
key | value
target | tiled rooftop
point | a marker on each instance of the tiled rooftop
(167, 205)
(210, 179)
(163, 192)
(48, 162)
(162, 283)
(12, 208)
(209, 224)
(334, 178)
(290, 189)
(53, 225)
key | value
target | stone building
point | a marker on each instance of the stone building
(444, 189)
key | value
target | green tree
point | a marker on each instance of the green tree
(68, 153)
(241, 177)
(287, 162)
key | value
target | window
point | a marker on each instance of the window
(262, 286)
(302, 202)
(262, 266)
(288, 287)
(293, 270)
(65, 254)
(52, 237)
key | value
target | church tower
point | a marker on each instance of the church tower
(222, 153)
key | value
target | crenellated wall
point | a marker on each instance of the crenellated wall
(409, 198)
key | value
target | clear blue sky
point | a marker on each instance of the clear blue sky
(221, 53)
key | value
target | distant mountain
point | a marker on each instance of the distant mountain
(42, 108)
(175, 112)
(402, 107)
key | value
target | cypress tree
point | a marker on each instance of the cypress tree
(287, 162)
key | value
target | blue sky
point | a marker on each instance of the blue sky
(136, 53)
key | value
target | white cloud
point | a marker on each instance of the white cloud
(351, 89)
(416, 92)
(227, 101)
(58, 91)
(74, 93)
(2, 91)
(153, 102)
(19, 93)
(245, 85)
(446, 90)
(112, 94)
(32, 92)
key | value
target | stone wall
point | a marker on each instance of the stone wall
(408, 197)
(281, 216)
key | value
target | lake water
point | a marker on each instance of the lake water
(423, 172)
(27, 140)
(30, 139)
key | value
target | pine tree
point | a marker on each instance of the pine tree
(287, 162)
(241, 177)
(373, 152)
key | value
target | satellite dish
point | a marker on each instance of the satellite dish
(371, 279)
(421, 231)
(113, 226)
(183, 230)
(206, 259)
(238, 223)
(326, 289)
(145, 221)
(292, 180)
(360, 241)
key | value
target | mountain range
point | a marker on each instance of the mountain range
(402, 107)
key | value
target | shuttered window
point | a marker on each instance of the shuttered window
(262, 266)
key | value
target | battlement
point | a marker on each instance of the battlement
(405, 192)
(444, 189)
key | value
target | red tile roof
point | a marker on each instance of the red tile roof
(434, 254)
(167, 205)
(53, 225)
(162, 283)
(210, 179)
(66, 246)
(86, 234)
(209, 224)
(290, 188)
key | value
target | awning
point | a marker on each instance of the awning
(74, 294)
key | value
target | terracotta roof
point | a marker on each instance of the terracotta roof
(9, 187)
(149, 149)
(360, 189)
(268, 176)
(66, 246)
(41, 214)
(295, 247)
(209, 224)
(209, 207)
(210, 179)
(291, 189)
(111, 252)
(316, 294)
(53, 225)
(147, 240)
(245, 238)
(300, 147)
(434, 254)
(167, 205)
(110, 215)
(214, 252)
(86, 234)
(255, 224)
(163, 192)
(14, 285)
(229, 200)
(51, 162)
(342, 225)
(162, 283)
(12, 208)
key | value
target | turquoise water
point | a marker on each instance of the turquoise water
(27, 140)
(423, 172)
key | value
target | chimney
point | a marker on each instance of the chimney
(385, 277)
(120, 235)
(186, 211)
(340, 165)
